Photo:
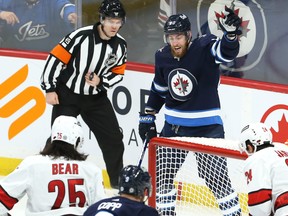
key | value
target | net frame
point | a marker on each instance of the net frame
(213, 146)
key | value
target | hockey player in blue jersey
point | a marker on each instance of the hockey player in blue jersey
(35, 24)
(186, 80)
(134, 189)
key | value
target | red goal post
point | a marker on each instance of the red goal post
(190, 187)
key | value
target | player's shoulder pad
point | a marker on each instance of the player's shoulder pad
(160, 50)
(206, 39)
(163, 51)
(32, 159)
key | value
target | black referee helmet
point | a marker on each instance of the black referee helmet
(112, 8)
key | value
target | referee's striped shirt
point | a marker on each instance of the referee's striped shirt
(83, 51)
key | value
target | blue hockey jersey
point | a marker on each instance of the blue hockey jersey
(120, 206)
(188, 86)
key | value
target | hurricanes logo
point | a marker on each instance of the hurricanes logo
(181, 84)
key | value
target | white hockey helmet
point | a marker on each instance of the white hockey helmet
(67, 129)
(257, 134)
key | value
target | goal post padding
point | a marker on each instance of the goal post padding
(191, 189)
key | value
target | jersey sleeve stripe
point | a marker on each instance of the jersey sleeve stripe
(281, 201)
(62, 54)
(119, 69)
(7, 200)
(258, 197)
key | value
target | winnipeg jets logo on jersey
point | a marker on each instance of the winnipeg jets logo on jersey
(181, 84)
(111, 60)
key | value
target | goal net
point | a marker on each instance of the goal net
(190, 178)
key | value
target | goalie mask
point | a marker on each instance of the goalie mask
(67, 129)
(257, 134)
(134, 180)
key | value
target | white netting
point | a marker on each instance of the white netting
(213, 142)
(183, 184)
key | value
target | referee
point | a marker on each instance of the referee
(79, 71)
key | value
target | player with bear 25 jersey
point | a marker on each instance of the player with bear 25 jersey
(266, 171)
(58, 181)
(78, 73)
(186, 80)
(134, 189)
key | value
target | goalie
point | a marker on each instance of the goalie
(186, 80)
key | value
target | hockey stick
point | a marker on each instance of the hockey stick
(145, 145)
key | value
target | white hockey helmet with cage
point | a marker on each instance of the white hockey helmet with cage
(67, 129)
(257, 134)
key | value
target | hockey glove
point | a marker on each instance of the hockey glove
(231, 23)
(147, 127)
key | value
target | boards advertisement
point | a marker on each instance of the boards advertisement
(25, 116)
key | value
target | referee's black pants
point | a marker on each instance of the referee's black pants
(97, 112)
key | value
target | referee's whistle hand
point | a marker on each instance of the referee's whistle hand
(92, 79)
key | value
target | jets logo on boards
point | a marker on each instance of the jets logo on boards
(248, 27)
(181, 84)
(253, 20)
